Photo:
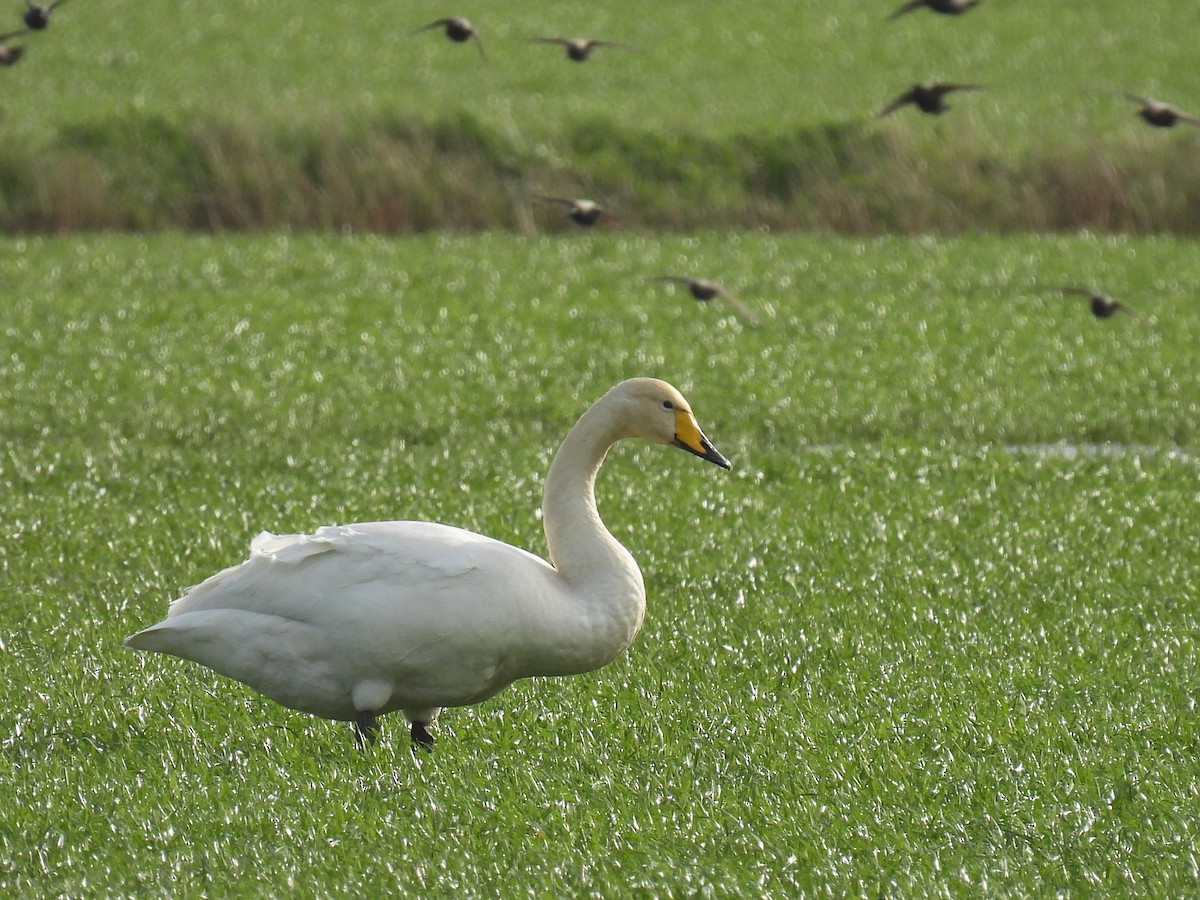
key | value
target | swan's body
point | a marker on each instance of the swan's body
(356, 621)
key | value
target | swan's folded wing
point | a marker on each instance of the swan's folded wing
(438, 613)
(298, 576)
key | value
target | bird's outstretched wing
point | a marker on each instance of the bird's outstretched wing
(436, 23)
(1135, 98)
(903, 100)
(740, 309)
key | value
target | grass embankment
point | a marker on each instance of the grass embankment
(887, 653)
(319, 115)
(406, 175)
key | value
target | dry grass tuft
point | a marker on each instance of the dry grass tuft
(387, 176)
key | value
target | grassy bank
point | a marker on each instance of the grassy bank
(395, 175)
(319, 116)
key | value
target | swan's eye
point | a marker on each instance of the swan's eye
(667, 404)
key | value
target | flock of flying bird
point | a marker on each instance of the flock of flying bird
(580, 210)
(927, 97)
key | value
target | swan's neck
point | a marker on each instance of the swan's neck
(598, 572)
(576, 537)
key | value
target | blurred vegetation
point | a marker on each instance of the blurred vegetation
(319, 116)
(396, 175)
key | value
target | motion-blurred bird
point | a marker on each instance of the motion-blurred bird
(10, 56)
(704, 291)
(579, 49)
(945, 7)
(579, 211)
(1157, 113)
(458, 30)
(929, 98)
(37, 15)
(1101, 305)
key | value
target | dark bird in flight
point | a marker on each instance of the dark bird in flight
(945, 7)
(929, 98)
(1157, 113)
(457, 29)
(10, 56)
(37, 15)
(581, 212)
(579, 49)
(705, 291)
(1101, 305)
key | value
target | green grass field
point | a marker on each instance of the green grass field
(312, 115)
(934, 633)
(716, 70)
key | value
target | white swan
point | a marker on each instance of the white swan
(360, 620)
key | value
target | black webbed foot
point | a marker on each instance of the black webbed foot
(366, 728)
(421, 737)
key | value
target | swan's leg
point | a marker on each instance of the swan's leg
(421, 736)
(366, 728)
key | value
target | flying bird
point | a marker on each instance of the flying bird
(10, 56)
(458, 30)
(929, 98)
(1157, 113)
(1101, 305)
(579, 211)
(945, 7)
(704, 291)
(579, 49)
(356, 621)
(37, 15)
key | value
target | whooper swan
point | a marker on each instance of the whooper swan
(356, 621)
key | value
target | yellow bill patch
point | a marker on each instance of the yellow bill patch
(689, 436)
(687, 432)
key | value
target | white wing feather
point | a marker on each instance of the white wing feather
(417, 602)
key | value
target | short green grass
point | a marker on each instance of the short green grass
(934, 633)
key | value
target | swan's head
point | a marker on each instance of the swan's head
(655, 411)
